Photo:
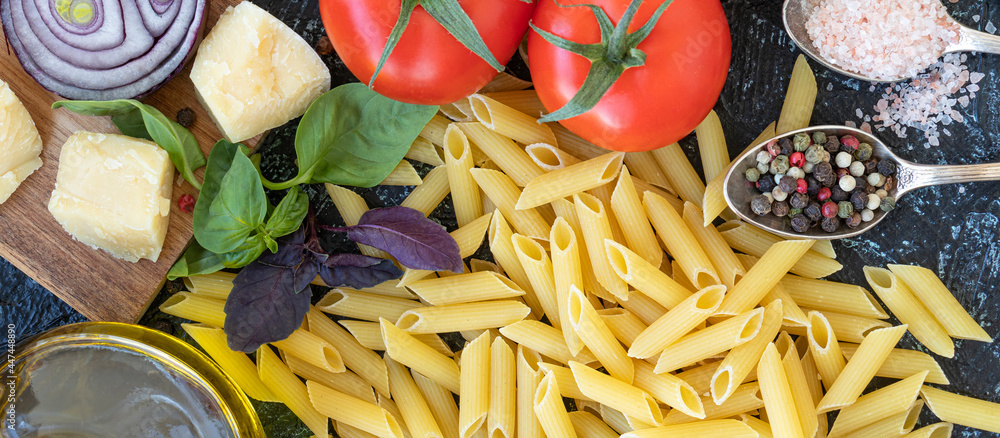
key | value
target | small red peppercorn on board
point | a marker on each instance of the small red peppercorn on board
(96, 284)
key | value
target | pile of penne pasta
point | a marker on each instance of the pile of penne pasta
(732, 335)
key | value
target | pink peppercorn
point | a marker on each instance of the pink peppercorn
(773, 148)
(801, 186)
(824, 194)
(850, 141)
(842, 173)
(830, 209)
(797, 159)
(186, 203)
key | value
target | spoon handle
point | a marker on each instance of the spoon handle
(914, 176)
(975, 41)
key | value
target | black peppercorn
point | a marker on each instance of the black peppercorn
(871, 166)
(823, 172)
(830, 224)
(813, 211)
(780, 208)
(788, 184)
(786, 145)
(765, 184)
(886, 167)
(832, 144)
(853, 220)
(185, 117)
(838, 194)
(760, 205)
(799, 200)
(812, 185)
(858, 199)
(869, 189)
(800, 224)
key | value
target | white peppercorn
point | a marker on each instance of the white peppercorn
(867, 215)
(844, 159)
(857, 168)
(848, 183)
(796, 172)
(876, 179)
(873, 201)
(778, 194)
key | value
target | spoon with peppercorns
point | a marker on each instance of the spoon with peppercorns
(830, 182)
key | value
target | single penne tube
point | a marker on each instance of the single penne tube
(677, 322)
(441, 403)
(777, 394)
(680, 241)
(237, 365)
(792, 313)
(832, 296)
(424, 151)
(896, 425)
(357, 413)
(356, 357)
(712, 146)
(959, 409)
(678, 170)
(509, 122)
(392, 408)
(805, 407)
(936, 430)
(627, 208)
(402, 175)
(587, 425)
(754, 241)
(898, 297)
(566, 209)
(312, 349)
(475, 382)
(738, 364)
(567, 271)
(503, 152)
(603, 194)
(548, 157)
(433, 131)
(538, 267)
(346, 382)
(637, 424)
(645, 277)
(550, 411)
(196, 308)
(815, 386)
(501, 189)
(903, 363)
(345, 431)
(216, 285)
(528, 377)
(289, 390)
(623, 324)
(570, 180)
(522, 100)
(746, 398)
(861, 368)
(364, 306)
(466, 288)
(825, 349)
(879, 404)
(459, 111)
(614, 419)
(503, 396)
(415, 411)
(762, 428)
(643, 166)
(596, 335)
(799, 99)
(503, 252)
(710, 341)
(714, 202)
(700, 376)
(616, 394)
(544, 339)
(763, 276)
(727, 265)
(668, 389)
(469, 238)
(595, 226)
(505, 82)
(847, 328)
(429, 194)
(369, 335)
(465, 193)
(467, 316)
(567, 383)
(389, 288)
(409, 351)
(936, 297)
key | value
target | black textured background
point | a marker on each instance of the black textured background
(954, 230)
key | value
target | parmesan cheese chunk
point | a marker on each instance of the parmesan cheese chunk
(113, 193)
(253, 73)
(20, 144)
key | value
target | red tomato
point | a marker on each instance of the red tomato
(650, 106)
(428, 65)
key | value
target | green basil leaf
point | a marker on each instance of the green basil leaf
(236, 211)
(354, 136)
(246, 253)
(131, 124)
(288, 215)
(219, 162)
(195, 261)
(97, 107)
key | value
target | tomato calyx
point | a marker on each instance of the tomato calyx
(609, 58)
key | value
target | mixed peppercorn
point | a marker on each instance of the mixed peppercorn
(821, 179)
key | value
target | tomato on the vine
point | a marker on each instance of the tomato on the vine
(671, 71)
(428, 64)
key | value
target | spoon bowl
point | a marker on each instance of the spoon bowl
(909, 176)
(795, 13)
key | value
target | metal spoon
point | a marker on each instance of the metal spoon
(909, 176)
(797, 12)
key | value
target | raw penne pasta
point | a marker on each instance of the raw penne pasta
(504, 193)
(389, 288)
(478, 265)
(815, 388)
(727, 265)
(623, 324)
(434, 129)
(898, 297)
(587, 425)
(402, 175)
(762, 428)
(763, 276)
(616, 394)
(861, 368)
(712, 146)
(429, 194)
(896, 425)
(538, 268)
(614, 419)
(353, 412)
(754, 241)
(832, 296)
(677, 322)
(596, 335)
(792, 314)
(643, 166)
(197, 308)
(904, 363)
(959, 409)
(469, 239)
(549, 158)
(359, 359)
(345, 431)
(825, 349)
(458, 317)
(567, 383)
(528, 377)
(407, 350)
(505, 82)
(680, 241)
(392, 408)
(567, 271)
(570, 180)
(710, 341)
(627, 207)
(936, 430)
(424, 151)
(677, 168)
(351, 206)
(574, 144)
(877, 405)
(413, 407)
(668, 389)
(544, 339)
(364, 306)
(700, 376)
(805, 407)
(825, 248)
(509, 122)
(646, 278)
(287, 388)
(566, 209)
(503, 375)
(466, 288)
(936, 297)
(216, 285)
(503, 252)
(346, 382)
(522, 100)
(738, 364)
(458, 111)
(713, 428)
(369, 335)
(714, 202)
(475, 382)
(503, 152)
(595, 226)
(777, 395)
(848, 328)
(799, 99)
(465, 193)
(312, 349)
(441, 403)
(237, 365)
(550, 411)
(746, 398)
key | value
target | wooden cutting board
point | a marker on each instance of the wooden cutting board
(96, 284)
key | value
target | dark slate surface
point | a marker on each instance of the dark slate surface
(954, 230)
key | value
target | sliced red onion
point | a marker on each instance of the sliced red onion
(102, 49)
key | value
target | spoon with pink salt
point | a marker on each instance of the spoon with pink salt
(946, 36)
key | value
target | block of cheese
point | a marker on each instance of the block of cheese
(253, 73)
(20, 144)
(113, 193)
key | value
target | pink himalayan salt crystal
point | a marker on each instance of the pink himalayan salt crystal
(882, 39)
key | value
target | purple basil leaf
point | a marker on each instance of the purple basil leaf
(357, 271)
(414, 240)
(290, 251)
(306, 272)
(264, 306)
